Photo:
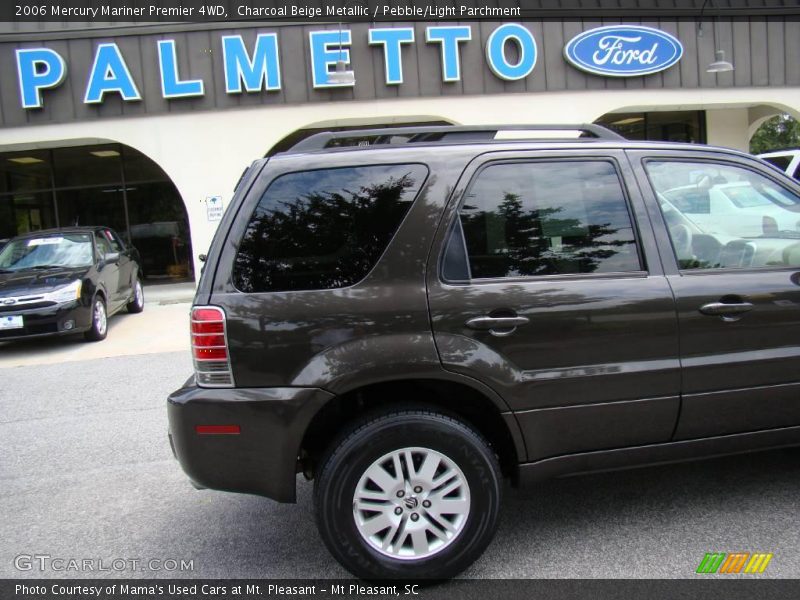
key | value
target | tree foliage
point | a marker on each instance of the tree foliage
(323, 238)
(527, 237)
(781, 131)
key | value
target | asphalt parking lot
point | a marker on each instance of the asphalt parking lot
(86, 472)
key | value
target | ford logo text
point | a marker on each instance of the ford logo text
(623, 50)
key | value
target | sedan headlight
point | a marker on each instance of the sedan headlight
(67, 293)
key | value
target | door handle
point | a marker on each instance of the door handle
(728, 311)
(492, 323)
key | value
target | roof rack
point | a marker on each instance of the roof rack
(443, 134)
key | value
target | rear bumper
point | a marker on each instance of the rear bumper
(262, 458)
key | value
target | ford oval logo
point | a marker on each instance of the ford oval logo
(9, 301)
(623, 50)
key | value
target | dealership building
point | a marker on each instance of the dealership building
(147, 128)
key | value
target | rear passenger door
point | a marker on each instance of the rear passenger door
(736, 280)
(126, 265)
(549, 289)
(109, 271)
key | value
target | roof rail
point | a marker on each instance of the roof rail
(442, 134)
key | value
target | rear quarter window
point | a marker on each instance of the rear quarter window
(324, 229)
(782, 162)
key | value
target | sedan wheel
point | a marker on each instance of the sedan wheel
(136, 305)
(99, 329)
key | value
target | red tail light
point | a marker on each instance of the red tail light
(212, 364)
(217, 429)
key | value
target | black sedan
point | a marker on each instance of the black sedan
(64, 281)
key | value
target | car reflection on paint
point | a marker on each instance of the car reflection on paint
(67, 281)
(738, 208)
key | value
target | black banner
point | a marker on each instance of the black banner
(144, 11)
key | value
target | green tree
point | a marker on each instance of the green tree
(781, 131)
(523, 238)
(324, 238)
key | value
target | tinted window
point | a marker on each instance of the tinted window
(547, 218)
(723, 216)
(782, 162)
(113, 239)
(103, 247)
(324, 229)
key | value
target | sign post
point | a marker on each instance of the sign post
(214, 208)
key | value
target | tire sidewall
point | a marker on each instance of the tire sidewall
(352, 458)
(133, 306)
(94, 334)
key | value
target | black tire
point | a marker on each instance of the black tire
(136, 305)
(352, 454)
(99, 329)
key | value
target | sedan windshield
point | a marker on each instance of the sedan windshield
(73, 250)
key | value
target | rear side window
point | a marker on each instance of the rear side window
(324, 229)
(545, 218)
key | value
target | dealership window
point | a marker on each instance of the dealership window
(104, 184)
(664, 126)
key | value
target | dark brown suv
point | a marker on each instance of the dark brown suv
(409, 316)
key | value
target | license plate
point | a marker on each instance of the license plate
(14, 322)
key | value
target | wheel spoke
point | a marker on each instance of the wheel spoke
(370, 506)
(448, 474)
(419, 542)
(436, 531)
(412, 473)
(396, 530)
(450, 486)
(452, 506)
(382, 478)
(428, 469)
(372, 495)
(440, 523)
(376, 524)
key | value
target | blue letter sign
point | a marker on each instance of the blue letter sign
(110, 74)
(327, 48)
(623, 50)
(496, 52)
(449, 38)
(171, 84)
(263, 69)
(38, 69)
(391, 39)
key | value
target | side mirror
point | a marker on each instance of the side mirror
(111, 257)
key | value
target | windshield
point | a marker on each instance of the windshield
(745, 196)
(72, 250)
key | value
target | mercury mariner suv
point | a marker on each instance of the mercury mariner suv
(410, 316)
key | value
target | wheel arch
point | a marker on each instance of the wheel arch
(100, 291)
(456, 398)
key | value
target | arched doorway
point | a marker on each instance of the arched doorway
(103, 183)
